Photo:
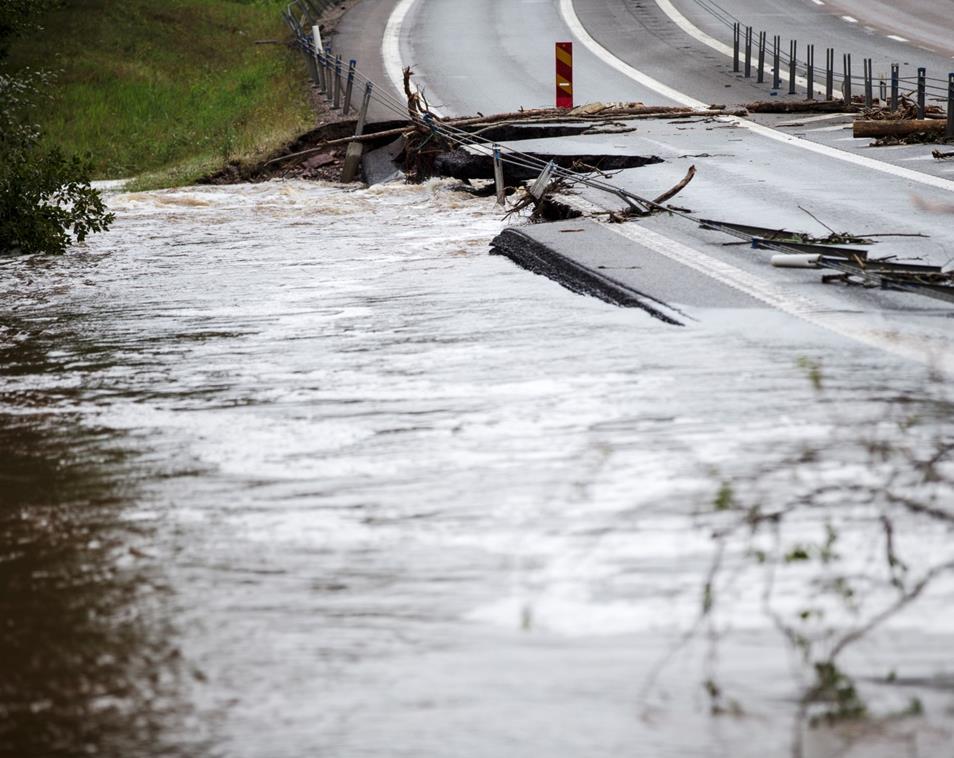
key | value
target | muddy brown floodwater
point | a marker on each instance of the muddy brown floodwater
(290, 469)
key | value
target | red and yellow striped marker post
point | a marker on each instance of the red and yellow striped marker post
(564, 74)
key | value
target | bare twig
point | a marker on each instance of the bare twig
(668, 195)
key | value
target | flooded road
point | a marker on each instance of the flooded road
(297, 470)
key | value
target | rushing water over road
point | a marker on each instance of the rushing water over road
(296, 470)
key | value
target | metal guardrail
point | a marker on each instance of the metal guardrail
(326, 70)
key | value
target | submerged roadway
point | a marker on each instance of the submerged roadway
(497, 55)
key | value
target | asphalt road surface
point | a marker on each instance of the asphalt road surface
(496, 55)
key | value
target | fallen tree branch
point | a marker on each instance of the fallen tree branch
(668, 195)
(801, 106)
(898, 128)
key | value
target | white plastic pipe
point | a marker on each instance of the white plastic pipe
(795, 261)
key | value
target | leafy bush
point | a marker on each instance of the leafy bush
(46, 201)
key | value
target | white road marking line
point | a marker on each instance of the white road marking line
(836, 128)
(693, 31)
(911, 347)
(391, 47)
(812, 119)
(849, 19)
(818, 2)
(573, 22)
(896, 38)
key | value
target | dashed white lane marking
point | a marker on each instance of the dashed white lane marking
(573, 22)
(909, 346)
(896, 38)
(849, 19)
(818, 2)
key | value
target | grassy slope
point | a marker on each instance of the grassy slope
(168, 89)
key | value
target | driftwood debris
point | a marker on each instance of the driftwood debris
(670, 194)
(898, 128)
(802, 106)
(586, 117)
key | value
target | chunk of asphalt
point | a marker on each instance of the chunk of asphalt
(380, 166)
(587, 258)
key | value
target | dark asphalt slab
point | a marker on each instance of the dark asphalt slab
(588, 257)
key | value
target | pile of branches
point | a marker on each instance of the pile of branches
(907, 111)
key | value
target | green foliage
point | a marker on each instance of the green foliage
(46, 203)
(168, 91)
(837, 692)
(814, 371)
(46, 200)
(724, 499)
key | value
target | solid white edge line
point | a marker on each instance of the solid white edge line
(908, 346)
(391, 44)
(573, 22)
(694, 31)
(391, 48)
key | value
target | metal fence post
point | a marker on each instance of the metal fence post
(895, 76)
(337, 97)
(869, 84)
(319, 65)
(760, 74)
(356, 149)
(352, 64)
(922, 89)
(748, 52)
(846, 82)
(329, 72)
(776, 63)
(810, 73)
(830, 74)
(499, 177)
(735, 47)
(792, 60)
(950, 106)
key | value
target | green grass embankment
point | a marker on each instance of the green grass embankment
(167, 90)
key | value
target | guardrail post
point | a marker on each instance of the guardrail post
(735, 47)
(329, 73)
(895, 76)
(337, 96)
(869, 82)
(792, 60)
(922, 89)
(776, 63)
(319, 65)
(499, 177)
(830, 74)
(760, 74)
(352, 64)
(810, 73)
(950, 106)
(846, 82)
(356, 149)
(748, 52)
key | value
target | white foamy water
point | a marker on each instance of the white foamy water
(412, 500)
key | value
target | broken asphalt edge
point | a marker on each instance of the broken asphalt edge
(539, 258)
